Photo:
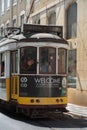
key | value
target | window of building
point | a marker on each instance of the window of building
(2, 31)
(7, 25)
(14, 61)
(14, 22)
(14, 1)
(72, 21)
(62, 61)
(21, 20)
(51, 18)
(2, 7)
(47, 60)
(72, 63)
(36, 21)
(8, 4)
(37, 1)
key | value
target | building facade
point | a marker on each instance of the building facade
(72, 16)
(12, 13)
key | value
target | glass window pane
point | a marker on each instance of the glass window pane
(2, 64)
(72, 63)
(8, 4)
(52, 18)
(72, 21)
(28, 60)
(3, 6)
(47, 60)
(14, 1)
(14, 61)
(62, 61)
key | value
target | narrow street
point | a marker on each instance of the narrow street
(19, 122)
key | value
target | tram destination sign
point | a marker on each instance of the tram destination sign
(32, 28)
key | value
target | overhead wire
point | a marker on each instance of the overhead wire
(31, 7)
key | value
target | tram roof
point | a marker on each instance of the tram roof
(39, 37)
(35, 33)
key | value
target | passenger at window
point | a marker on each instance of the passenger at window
(46, 68)
(31, 65)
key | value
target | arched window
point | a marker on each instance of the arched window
(36, 19)
(72, 21)
(38, 22)
(52, 18)
(8, 4)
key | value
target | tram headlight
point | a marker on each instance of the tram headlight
(64, 82)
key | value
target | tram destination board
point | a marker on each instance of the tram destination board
(32, 28)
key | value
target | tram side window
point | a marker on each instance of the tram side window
(28, 60)
(62, 61)
(2, 62)
(14, 61)
(47, 60)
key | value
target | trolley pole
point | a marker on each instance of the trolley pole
(11, 13)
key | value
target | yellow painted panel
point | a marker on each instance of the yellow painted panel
(43, 101)
(8, 88)
(14, 86)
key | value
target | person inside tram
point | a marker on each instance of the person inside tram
(31, 65)
(46, 67)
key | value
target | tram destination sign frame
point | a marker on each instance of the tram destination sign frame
(34, 28)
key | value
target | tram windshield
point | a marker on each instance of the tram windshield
(47, 60)
(47, 64)
(62, 61)
(28, 56)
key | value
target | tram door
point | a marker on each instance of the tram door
(14, 76)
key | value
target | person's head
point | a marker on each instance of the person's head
(30, 61)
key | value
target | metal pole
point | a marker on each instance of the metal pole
(11, 13)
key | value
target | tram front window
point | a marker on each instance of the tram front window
(47, 60)
(28, 56)
(62, 60)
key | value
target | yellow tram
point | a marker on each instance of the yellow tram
(33, 69)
